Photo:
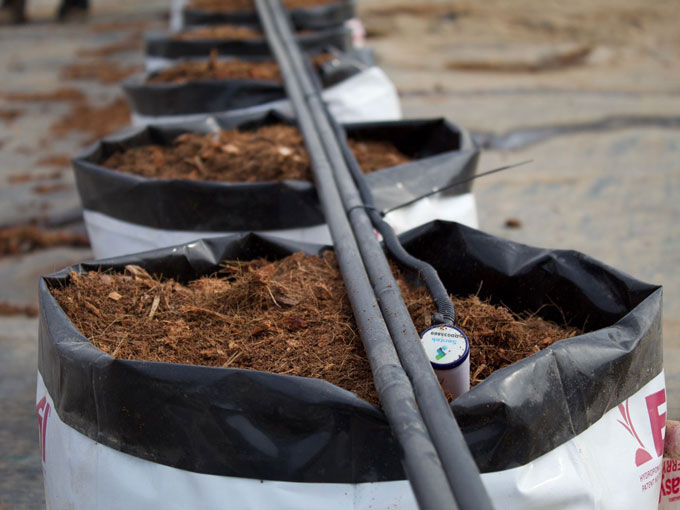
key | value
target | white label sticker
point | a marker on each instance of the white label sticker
(445, 346)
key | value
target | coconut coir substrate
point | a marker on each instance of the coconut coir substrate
(270, 153)
(291, 316)
(241, 33)
(232, 69)
(232, 32)
(249, 5)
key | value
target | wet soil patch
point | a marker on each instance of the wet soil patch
(10, 115)
(118, 26)
(23, 178)
(27, 238)
(550, 62)
(60, 94)
(291, 316)
(102, 70)
(232, 69)
(270, 153)
(96, 121)
(55, 160)
(134, 42)
(9, 309)
(48, 189)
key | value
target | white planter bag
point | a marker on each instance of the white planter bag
(163, 50)
(579, 425)
(368, 95)
(126, 213)
(594, 470)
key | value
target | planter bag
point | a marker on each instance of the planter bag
(577, 425)
(315, 18)
(163, 51)
(354, 89)
(126, 213)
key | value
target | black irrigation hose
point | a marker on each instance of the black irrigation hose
(459, 466)
(421, 461)
(446, 313)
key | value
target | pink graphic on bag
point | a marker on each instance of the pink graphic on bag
(657, 424)
(641, 455)
(43, 412)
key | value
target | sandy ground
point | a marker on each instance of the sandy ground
(589, 92)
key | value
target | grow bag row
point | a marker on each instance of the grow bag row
(125, 213)
(164, 49)
(354, 89)
(576, 425)
(315, 17)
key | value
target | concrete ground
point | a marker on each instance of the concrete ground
(587, 91)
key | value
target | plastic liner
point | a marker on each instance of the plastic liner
(163, 45)
(210, 96)
(251, 424)
(318, 17)
(445, 152)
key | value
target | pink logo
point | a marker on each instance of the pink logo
(656, 420)
(670, 484)
(657, 424)
(43, 412)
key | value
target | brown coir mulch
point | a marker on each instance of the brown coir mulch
(270, 153)
(249, 5)
(219, 32)
(27, 238)
(289, 317)
(232, 69)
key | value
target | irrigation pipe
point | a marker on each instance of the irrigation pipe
(330, 170)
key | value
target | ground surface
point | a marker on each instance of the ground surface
(590, 93)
